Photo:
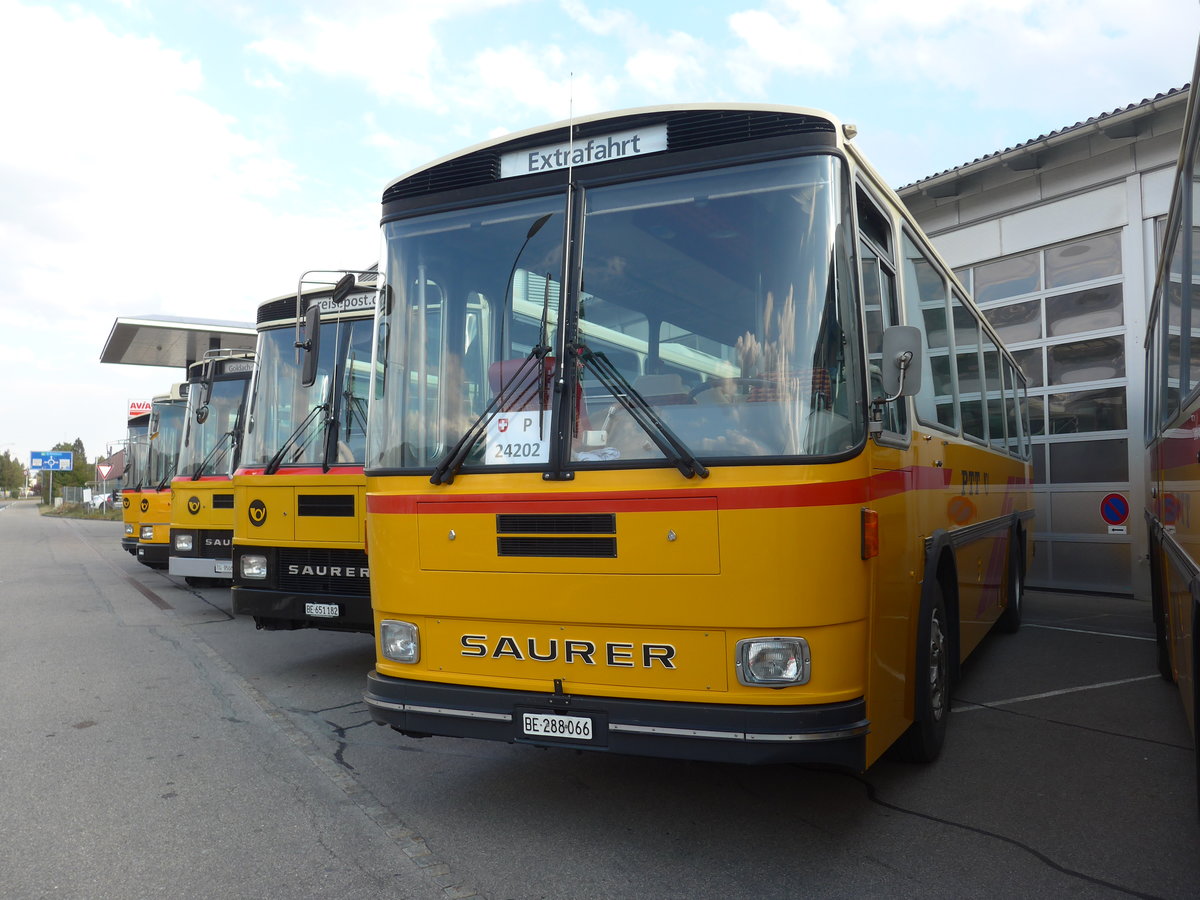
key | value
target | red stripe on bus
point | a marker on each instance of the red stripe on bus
(836, 493)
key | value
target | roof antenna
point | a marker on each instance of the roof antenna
(561, 334)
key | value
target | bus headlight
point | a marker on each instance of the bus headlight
(129, 529)
(254, 565)
(147, 532)
(183, 542)
(773, 662)
(399, 641)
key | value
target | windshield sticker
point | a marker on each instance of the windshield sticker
(517, 438)
(603, 148)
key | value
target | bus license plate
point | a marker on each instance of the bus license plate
(224, 568)
(324, 610)
(550, 725)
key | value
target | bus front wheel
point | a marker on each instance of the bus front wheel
(923, 740)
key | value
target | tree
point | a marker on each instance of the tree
(12, 474)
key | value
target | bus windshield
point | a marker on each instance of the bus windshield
(166, 431)
(209, 447)
(282, 408)
(135, 455)
(713, 307)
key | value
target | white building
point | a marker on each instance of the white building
(1056, 238)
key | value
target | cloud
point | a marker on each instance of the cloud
(128, 194)
(999, 54)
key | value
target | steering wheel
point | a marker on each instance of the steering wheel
(742, 383)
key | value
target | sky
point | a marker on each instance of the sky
(193, 158)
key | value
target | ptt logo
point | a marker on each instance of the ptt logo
(257, 512)
(145, 504)
(193, 505)
(975, 482)
(125, 502)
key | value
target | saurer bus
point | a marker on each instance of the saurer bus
(137, 432)
(684, 442)
(1172, 430)
(202, 489)
(298, 557)
(154, 498)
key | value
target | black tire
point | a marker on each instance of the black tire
(1196, 694)
(1158, 609)
(1010, 620)
(923, 740)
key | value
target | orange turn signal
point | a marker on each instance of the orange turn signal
(870, 533)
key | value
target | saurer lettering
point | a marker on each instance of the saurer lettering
(331, 571)
(612, 653)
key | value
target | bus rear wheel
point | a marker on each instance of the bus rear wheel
(923, 740)
(1010, 620)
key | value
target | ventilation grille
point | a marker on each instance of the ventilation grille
(522, 535)
(222, 501)
(690, 130)
(315, 570)
(338, 505)
(603, 523)
(216, 544)
(467, 171)
(709, 128)
(576, 547)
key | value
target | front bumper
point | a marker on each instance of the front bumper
(829, 734)
(153, 555)
(196, 567)
(286, 610)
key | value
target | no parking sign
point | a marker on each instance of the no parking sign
(1114, 509)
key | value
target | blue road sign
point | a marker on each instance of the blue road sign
(52, 460)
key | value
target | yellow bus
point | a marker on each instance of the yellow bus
(1172, 430)
(154, 498)
(137, 430)
(684, 442)
(298, 558)
(202, 489)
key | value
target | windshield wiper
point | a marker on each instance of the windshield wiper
(642, 412)
(451, 462)
(211, 456)
(277, 460)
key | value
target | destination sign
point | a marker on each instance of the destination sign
(604, 148)
(352, 303)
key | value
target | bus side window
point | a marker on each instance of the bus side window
(925, 306)
(879, 302)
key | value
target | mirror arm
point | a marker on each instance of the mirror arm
(875, 426)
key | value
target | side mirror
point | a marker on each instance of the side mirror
(311, 344)
(901, 363)
(343, 287)
(210, 374)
